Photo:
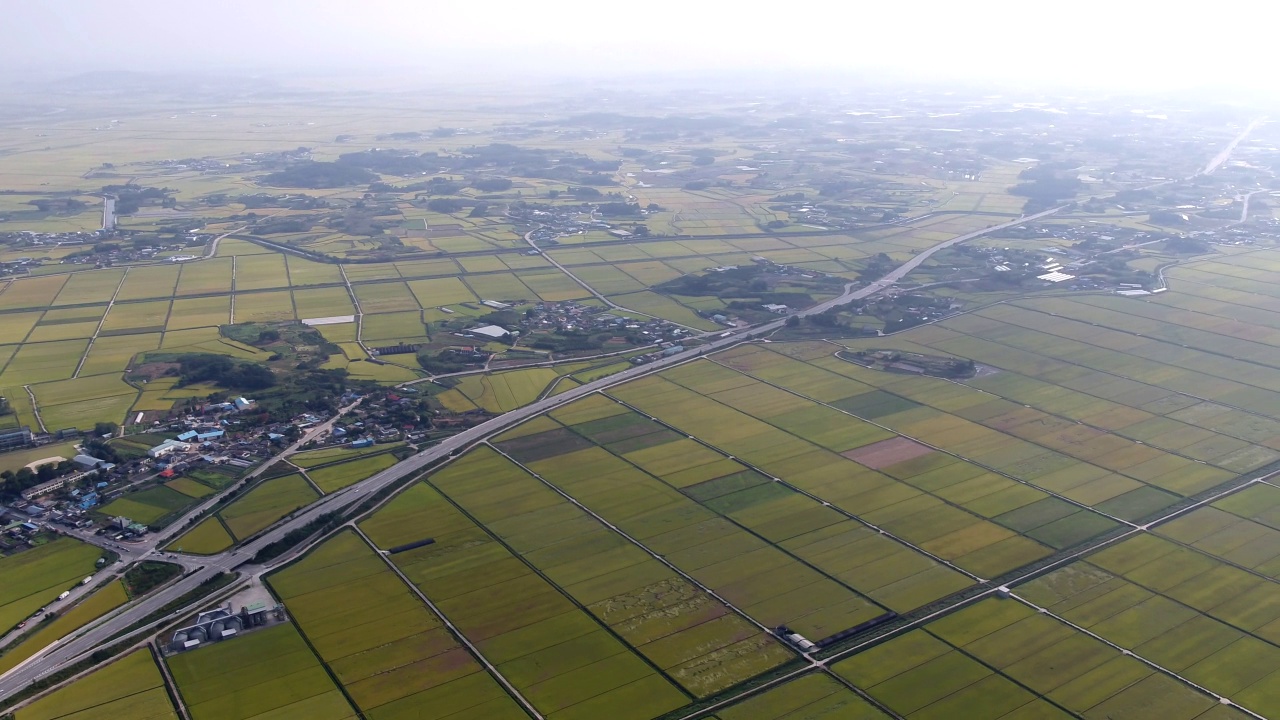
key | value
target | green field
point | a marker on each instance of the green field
(149, 506)
(105, 600)
(265, 504)
(30, 580)
(341, 474)
(391, 654)
(271, 670)
(130, 687)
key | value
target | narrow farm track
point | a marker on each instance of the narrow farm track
(35, 408)
(110, 304)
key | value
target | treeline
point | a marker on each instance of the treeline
(222, 370)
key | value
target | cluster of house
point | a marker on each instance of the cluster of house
(572, 316)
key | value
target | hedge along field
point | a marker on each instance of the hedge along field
(103, 601)
(339, 475)
(1001, 658)
(30, 579)
(557, 655)
(718, 551)
(879, 497)
(130, 687)
(694, 638)
(266, 671)
(393, 656)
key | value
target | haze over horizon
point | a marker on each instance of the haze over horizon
(1097, 45)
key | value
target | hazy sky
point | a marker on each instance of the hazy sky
(1091, 43)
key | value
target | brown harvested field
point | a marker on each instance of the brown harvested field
(887, 452)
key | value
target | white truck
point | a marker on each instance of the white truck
(64, 595)
(86, 580)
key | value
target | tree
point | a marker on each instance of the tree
(704, 160)
(793, 321)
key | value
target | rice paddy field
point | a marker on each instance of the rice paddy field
(255, 510)
(29, 580)
(130, 687)
(392, 655)
(85, 328)
(581, 621)
(335, 476)
(106, 599)
(271, 670)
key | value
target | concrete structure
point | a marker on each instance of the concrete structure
(166, 448)
(217, 625)
(10, 439)
(489, 331)
(88, 462)
(776, 309)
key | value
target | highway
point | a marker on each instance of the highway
(69, 649)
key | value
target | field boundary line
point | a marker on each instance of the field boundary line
(170, 685)
(35, 408)
(103, 321)
(453, 629)
(1125, 651)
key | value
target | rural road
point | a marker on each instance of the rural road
(66, 651)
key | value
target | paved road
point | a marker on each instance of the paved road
(68, 650)
(1223, 156)
(108, 213)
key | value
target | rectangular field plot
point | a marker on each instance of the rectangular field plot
(188, 313)
(322, 302)
(146, 283)
(1001, 658)
(260, 272)
(393, 656)
(441, 291)
(134, 317)
(304, 272)
(556, 654)
(813, 697)
(37, 292)
(268, 306)
(90, 287)
(270, 670)
(1185, 611)
(130, 687)
(385, 297)
(207, 277)
(43, 362)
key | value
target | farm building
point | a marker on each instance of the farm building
(489, 331)
(167, 447)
